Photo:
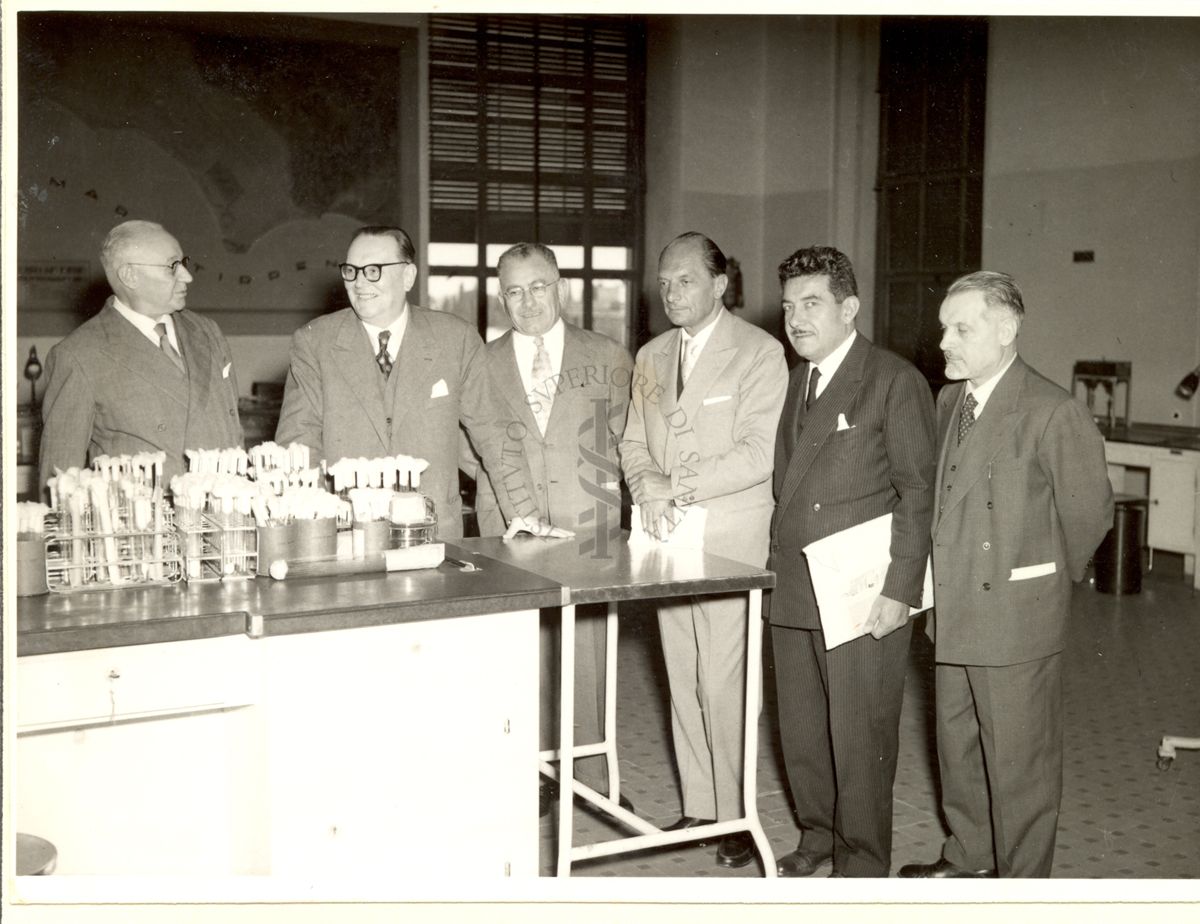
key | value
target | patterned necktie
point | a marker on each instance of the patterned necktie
(543, 386)
(813, 378)
(966, 419)
(164, 344)
(382, 357)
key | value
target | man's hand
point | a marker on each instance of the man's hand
(539, 527)
(887, 615)
(648, 485)
(653, 515)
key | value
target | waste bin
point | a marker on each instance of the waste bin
(1119, 559)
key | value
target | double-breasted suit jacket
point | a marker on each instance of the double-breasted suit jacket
(1019, 513)
(338, 403)
(575, 469)
(829, 479)
(111, 391)
(716, 440)
(864, 449)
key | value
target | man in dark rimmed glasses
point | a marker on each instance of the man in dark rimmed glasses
(383, 377)
(144, 374)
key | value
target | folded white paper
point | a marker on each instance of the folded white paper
(843, 424)
(684, 529)
(439, 389)
(225, 371)
(1032, 571)
(848, 570)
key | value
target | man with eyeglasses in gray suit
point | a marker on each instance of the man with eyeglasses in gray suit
(384, 377)
(144, 374)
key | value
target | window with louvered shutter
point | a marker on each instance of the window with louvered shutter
(535, 133)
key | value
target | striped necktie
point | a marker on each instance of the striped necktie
(164, 344)
(543, 386)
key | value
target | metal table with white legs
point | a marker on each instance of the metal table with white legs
(612, 574)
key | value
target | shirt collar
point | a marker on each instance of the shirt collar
(552, 340)
(984, 391)
(703, 336)
(396, 329)
(145, 323)
(831, 363)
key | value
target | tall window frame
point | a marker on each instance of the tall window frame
(536, 127)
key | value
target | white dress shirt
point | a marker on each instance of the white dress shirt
(830, 364)
(984, 391)
(524, 348)
(396, 329)
(145, 323)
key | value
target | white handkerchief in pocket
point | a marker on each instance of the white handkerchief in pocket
(1032, 571)
(843, 424)
(716, 400)
(225, 371)
(439, 389)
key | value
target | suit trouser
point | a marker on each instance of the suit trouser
(590, 644)
(704, 646)
(999, 734)
(839, 720)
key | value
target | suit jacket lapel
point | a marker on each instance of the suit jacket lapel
(356, 363)
(573, 357)
(716, 355)
(197, 356)
(512, 386)
(995, 421)
(414, 363)
(821, 419)
(130, 349)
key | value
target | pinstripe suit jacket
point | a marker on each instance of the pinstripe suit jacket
(110, 391)
(717, 440)
(1030, 489)
(337, 403)
(827, 480)
(580, 444)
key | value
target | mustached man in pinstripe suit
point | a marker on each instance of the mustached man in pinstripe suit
(855, 442)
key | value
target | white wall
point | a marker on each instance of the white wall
(1093, 143)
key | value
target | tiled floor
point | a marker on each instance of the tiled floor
(1132, 674)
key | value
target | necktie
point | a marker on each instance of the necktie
(687, 360)
(382, 357)
(813, 378)
(543, 385)
(164, 344)
(966, 419)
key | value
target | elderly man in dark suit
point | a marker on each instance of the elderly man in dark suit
(383, 377)
(701, 430)
(566, 393)
(145, 374)
(1023, 501)
(856, 442)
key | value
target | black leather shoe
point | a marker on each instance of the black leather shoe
(735, 850)
(800, 862)
(943, 869)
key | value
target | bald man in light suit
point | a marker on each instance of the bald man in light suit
(143, 375)
(706, 401)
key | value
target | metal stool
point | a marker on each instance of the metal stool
(36, 856)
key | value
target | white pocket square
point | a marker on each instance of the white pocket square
(439, 389)
(1032, 571)
(225, 371)
(843, 424)
(716, 400)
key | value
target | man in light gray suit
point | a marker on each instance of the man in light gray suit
(143, 375)
(704, 409)
(566, 393)
(383, 377)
